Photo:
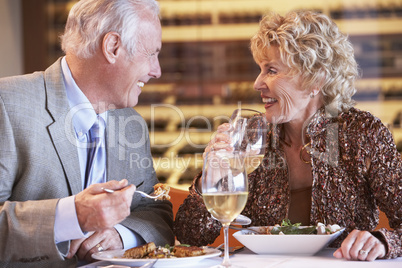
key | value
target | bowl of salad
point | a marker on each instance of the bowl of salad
(288, 239)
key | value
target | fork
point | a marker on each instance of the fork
(243, 229)
(152, 196)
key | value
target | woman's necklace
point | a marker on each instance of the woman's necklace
(285, 142)
(304, 148)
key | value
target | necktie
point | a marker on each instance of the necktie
(96, 161)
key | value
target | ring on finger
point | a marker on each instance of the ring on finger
(363, 252)
(99, 248)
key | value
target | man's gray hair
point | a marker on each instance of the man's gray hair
(89, 21)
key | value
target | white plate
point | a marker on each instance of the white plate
(116, 256)
(300, 244)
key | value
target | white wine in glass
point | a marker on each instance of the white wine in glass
(225, 191)
(251, 162)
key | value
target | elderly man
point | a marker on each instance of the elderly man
(69, 132)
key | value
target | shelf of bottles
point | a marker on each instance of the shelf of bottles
(212, 61)
(206, 61)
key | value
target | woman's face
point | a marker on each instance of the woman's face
(284, 98)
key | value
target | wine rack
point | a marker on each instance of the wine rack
(207, 68)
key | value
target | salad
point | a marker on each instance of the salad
(287, 228)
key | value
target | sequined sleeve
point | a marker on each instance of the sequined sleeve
(386, 183)
(194, 224)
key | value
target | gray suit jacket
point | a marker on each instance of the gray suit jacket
(39, 165)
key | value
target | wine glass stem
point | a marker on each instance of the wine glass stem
(226, 262)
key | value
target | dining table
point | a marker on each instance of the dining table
(248, 259)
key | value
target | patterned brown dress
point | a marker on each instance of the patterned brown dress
(356, 170)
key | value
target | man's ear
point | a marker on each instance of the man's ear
(111, 46)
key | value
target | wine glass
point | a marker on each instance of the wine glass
(248, 134)
(224, 190)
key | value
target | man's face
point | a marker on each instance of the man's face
(134, 71)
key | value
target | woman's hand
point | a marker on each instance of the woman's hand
(361, 245)
(220, 141)
(216, 161)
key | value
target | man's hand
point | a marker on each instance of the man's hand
(98, 210)
(107, 239)
(360, 245)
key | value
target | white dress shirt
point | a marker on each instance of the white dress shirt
(66, 223)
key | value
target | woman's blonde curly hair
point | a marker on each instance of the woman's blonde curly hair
(311, 45)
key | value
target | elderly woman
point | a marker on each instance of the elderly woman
(325, 160)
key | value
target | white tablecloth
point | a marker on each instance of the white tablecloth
(248, 259)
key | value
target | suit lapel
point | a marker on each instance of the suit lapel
(116, 153)
(61, 130)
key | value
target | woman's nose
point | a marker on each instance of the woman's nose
(258, 83)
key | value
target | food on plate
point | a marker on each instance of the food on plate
(287, 228)
(185, 251)
(329, 229)
(150, 251)
(162, 188)
(160, 253)
(140, 251)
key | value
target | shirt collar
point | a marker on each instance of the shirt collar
(82, 111)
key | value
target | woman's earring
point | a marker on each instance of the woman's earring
(312, 95)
